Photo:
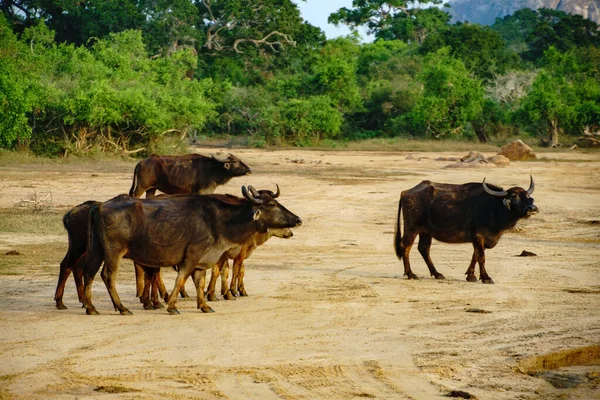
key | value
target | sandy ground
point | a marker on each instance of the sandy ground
(329, 314)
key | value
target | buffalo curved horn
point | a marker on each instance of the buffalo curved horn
(276, 195)
(531, 186)
(252, 196)
(493, 192)
(220, 159)
(253, 191)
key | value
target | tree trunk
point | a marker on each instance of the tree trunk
(480, 132)
(553, 139)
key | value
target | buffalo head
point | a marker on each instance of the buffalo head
(233, 165)
(267, 211)
(516, 199)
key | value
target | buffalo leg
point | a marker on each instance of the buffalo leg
(478, 257)
(424, 247)
(160, 286)
(149, 296)
(145, 295)
(65, 271)
(139, 279)
(157, 283)
(407, 242)
(235, 274)
(226, 289)
(109, 273)
(92, 268)
(70, 264)
(184, 271)
(241, 289)
(158, 289)
(471, 270)
(214, 275)
(199, 277)
(78, 276)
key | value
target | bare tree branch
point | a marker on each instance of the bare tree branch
(285, 39)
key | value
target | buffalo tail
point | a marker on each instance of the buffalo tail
(134, 183)
(95, 253)
(398, 233)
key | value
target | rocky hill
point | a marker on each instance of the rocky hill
(486, 11)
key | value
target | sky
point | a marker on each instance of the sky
(316, 12)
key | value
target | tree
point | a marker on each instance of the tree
(410, 21)
(481, 49)
(451, 98)
(561, 31)
(550, 105)
(16, 82)
(516, 28)
(544, 108)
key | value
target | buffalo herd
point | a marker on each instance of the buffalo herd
(192, 229)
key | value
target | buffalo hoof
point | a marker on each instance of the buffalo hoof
(125, 311)
(207, 309)
(91, 311)
(471, 278)
(212, 297)
(157, 305)
(148, 306)
(184, 294)
(410, 275)
(243, 293)
(487, 280)
(229, 296)
(439, 276)
(172, 311)
(61, 306)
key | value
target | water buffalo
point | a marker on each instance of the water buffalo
(75, 222)
(182, 230)
(189, 174)
(239, 255)
(473, 212)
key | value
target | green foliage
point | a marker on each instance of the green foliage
(333, 73)
(394, 19)
(301, 121)
(481, 49)
(564, 98)
(451, 98)
(515, 29)
(16, 88)
(94, 76)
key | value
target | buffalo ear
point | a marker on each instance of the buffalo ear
(256, 215)
(506, 203)
(227, 165)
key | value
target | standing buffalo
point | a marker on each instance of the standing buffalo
(184, 230)
(76, 224)
(238, 255)
(189, 174)
(472, 212)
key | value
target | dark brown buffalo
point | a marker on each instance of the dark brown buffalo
(189, 174)
(238, 254)
(472, 212)
(76, 224)
(183, 230)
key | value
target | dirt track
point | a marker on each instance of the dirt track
(329, 314)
